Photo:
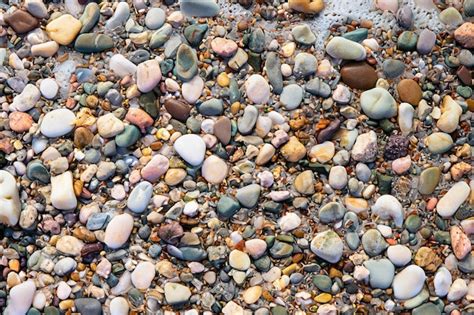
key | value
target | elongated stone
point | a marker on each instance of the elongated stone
(62, 192)
(93, 43)
(10, 205)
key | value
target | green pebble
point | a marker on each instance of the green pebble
(51, 310)
(37, 171)
(93, 43)
(227, 207)
(279, 310)
(128, 137)
(263, 263)
(358, 35)
(429, 179)
(323, 283)
(413, 223)
(194, 33)
(257, 41)
(464, 91)
(407, 41)
(442, 237)
(281, 250)
(385, 183)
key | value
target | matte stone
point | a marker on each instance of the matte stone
(93, 43)
(223, 130)
(409, 91)
(21, 21)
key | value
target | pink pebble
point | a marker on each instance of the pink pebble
(140, 118)
(431, 204)
(157, 166)
(401, 165)
(387, 5)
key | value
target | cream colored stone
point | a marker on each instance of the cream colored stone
(64, 29)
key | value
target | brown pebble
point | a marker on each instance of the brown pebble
(82, 137)
(20, 122)
(178, 109)
(359, 75)
(409, 91)
(465, 75)
(223, 129)
(21, 21)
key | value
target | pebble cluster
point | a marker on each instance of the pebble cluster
(159, 156)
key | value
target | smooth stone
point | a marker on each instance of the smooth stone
(291, 96)
(359, 75)
(323, 283)
(143, 275)
(318, 87)
(192, 89)
(223, 129)
(203, 8)
(64, 35)
(140, 197)
(409, 91)
(247, 122)
(161, 36)
(178, 109)
(382, 273)
(109, 125)
(47, 49)
(214, 170)
(121, 66)
(90, 17)
(89, 43)
(227, 207)
(69, 245)
(460, 243)
(439, 142)
(442, 281)
(248, 195)
(239, 260)
(176, 294)
(304, 182)
(303, 34)
(365, 147)
(328, 246)
(293, 150)
(468, 6)
(408, 282)
(331, 212)
(337, 177)
(121, 15)
(388, 207)
(405, 17)
(20, 298)
(155, 18)
(273, 70)
(119, 306)
(27, 99)
(238, 60)
(148, 75)
(407, 41)
(257, 89)
(305, 65)
(62, 192)
(426, 41)
(186, 66)
(37, 8)
(118, 230)
(252, 294)
(212, 107)
(191, 148)
(377, 103)
(357, 35)
(256, 41)
(457, 290)
(49, 88)
(10, 205)
(405, 118)
(464, 35)
(450, 115)
(37, 171)
(65, 266)
(128, 137)
(21, 21)
(451, 17)
(429, 179)
(155, 168)
(399, 255)
(57, 123)
(289, 222)
(195, 33)
(256, 248)
(427, 309)
(342, 48)
(306, 6)
(373, 242)
(393, 68)
(224, 47)
(89, 306)
(265, 154)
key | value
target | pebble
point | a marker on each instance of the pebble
(247, 122)
(186, 63)
(342, 48)
(119, 306)
(118, 230)
(305, 65)
(214, 169)
(205, 8)
(408, 282)
(453, 199)
(69, 245)
(21, 21)
(451, 17)
(191, 148)
(121, 66)
(365, 147)
(439, 142)
(457, 290)
(140, 197)
(328, 246)
(442, 281)
(148, 75)
(143, 275)
(257, 89)
(192, 89)
(289, 222)
(303, 35)
(62, 192)
(291, 96)
(359, 75)
(120, 16)
(224, 47)
(239, 260)
(382, 273)
(155, 18)
(306, 6)
(21, 298)
(426, 41)
(57, 123)
(399, 255)
(20, 122)
(49, 88)
(377, 103)
(338, 177)
(63, 35)
(27, 99)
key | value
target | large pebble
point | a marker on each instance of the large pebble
(365, 147)
(257, 89)
(388, 207)
(148, 75)
(20, 298)
(121, 65)
(69, 245)
(399, 255)
(140, 197)
(59, 33)
(439, 142)
(119, 306)
(143, 275)
(408, 282)
(291, 96)
(377, 103)
(62, 192)
(192, 89)
(155, 168)
(239, 260)
(202, 8)
(381, 273)
(155, 18)
(10, 205)
(191, 148)
(121, 15)
(342, 48)
(49, 88)
(176, 294)
(118, 231)
(442, 281)
(453, 199)
(27, 99)
(57, 123)
(328, 246)
(214, 169)
(247, 122)
(109, 125)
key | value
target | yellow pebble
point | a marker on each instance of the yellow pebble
(66, 304)
(163, 134)
(147, 151)
(290, 269)
(234, 108)
(14, 265)
(223, 79)
(323, 298)
(18, 145)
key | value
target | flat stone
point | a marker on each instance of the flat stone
(257, 89)
(409, 282)
(177, 109)
(57, 123)
(248, 195)
(377, 103)
(88, 306)
(223, 129)
(331, 212)
(204, 8)
(429, 179)
(93, 43)
(90, 17)
(9, 199)
(439, 142)
(239, 260)
(393, 68)
(247, 122)
(191, 148)
(186, 66)
(155, 18)
(69, 245)
(62, 192)
(328, 246)
(426, 41)
(155, 168)
(382, 273)
(303, 35)
(409, 91)
(373, 242)
(273, 70)
(342, 48)
(214, 169)
(59, 33)
(291, 96)
(21, 21)
(140, 197)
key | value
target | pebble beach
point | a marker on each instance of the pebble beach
(236, 157)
